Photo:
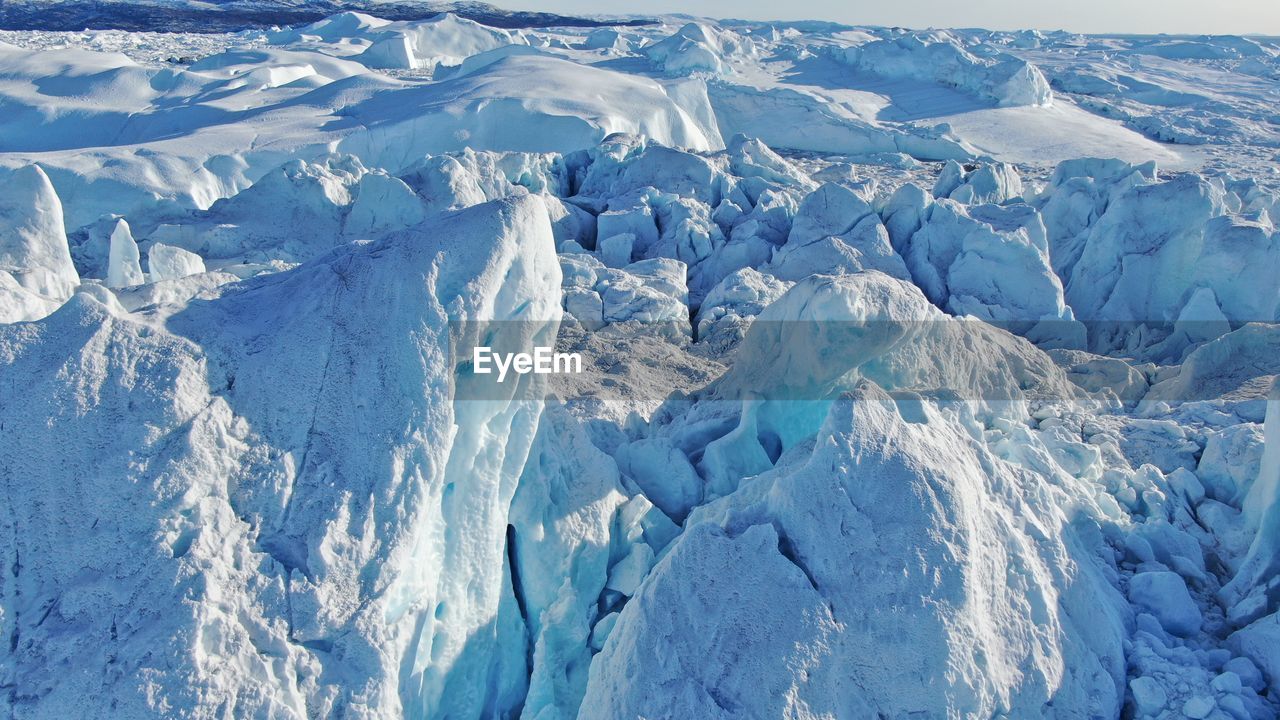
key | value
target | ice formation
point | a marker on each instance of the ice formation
(926, 373)
(35, 263)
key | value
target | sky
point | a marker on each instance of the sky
(1236, 17)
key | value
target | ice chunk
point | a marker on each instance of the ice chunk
(171, 263)
(904, 214)
(391, 52)
(624, 166)
(753, 631)
(1187, 243)
(636, 221)
(1164, 595)
(1259, 642)
(750, 157)
(1078, 193)
(737, 454)
(265, 219)
(663, 473)
(949, 180)
(625, 576)
(600, 633)
(1097, 373)
(1228, 683)
(33, 241)
(616, 250)
(1248, 673)
(1264, 497)
(604, 38)
(830, 210)
(737, 298)
(1235, 365)
(1231, 461)
(865, 246)
(1198, 708)
(380, 204)
(1201, 318)
(18, 304)
(1148, 696)
(961, 257)
(1261, 510)
(123, 266)
(989, 183)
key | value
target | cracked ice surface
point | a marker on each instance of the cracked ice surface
(926, 374)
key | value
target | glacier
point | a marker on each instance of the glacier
(926, 373)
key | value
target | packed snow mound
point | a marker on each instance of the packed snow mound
(36, 271)
(521, 102)
(697, 47)
(939, 57)
(343, 26)
(316, 569)
(71, 98)
(947, 557)
(484, 59)
(259, 70)
(444, 40)
(788, 118)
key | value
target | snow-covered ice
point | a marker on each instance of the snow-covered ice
(926, 373)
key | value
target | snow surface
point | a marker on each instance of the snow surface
(926, 373)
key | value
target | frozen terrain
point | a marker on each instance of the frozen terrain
(927, 374)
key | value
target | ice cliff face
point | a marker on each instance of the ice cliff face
(919, 379)
(271, 506)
